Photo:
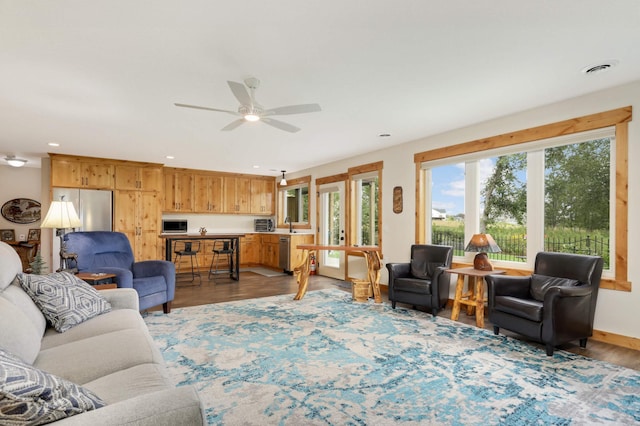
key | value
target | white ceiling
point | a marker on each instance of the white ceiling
(100, 77)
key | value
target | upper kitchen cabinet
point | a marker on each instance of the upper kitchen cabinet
(208, 193)
(81, 172)
(178, 191)
(262, 196)
(134, 177)
(237, 193)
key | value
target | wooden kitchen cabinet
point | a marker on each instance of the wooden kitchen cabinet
(250, 249)
(137, 215)
(262, 196)
(178, 191)
(269, 250)
(237, 192)
(137, 177)
(81, 172)
(208, 193)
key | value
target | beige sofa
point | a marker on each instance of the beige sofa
(111, 355)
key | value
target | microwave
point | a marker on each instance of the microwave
(174, 226)
(264, 225)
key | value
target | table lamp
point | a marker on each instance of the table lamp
(483, 244)
(62, 215)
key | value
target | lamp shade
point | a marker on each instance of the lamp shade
(61, 215)
(482, 243)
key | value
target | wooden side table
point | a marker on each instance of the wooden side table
(473, 299)
(99, 281)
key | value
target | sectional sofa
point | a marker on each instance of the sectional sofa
(105, 370)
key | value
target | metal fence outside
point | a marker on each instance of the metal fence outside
(514, 247)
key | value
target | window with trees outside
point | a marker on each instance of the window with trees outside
(293, 203)
(554, 195)
(593, 127)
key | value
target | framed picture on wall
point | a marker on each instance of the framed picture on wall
(7, 234)
(34, 234)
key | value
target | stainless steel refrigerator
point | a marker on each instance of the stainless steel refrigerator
(94, 207)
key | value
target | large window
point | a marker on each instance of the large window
(575, 194)
(565, 193)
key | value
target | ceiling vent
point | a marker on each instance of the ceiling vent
(598, 68)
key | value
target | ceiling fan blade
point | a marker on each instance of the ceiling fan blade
(240, 92)
(281, 125)
(294, 109)
(233, 124)
(207, 109)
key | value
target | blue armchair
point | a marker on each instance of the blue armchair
(110, 252)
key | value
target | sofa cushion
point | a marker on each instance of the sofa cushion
(18, 334)
(540, 284)
(87, 359)
(32, 396)
(118, 319)
(130, 383)
(64, 299)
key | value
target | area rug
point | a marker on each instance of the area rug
(326, 360)
(263, 271)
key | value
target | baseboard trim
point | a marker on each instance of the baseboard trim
(616, 339)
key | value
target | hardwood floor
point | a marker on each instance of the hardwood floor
(251, 285)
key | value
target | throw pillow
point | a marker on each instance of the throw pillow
(64, 299)
(540, 284)
(32, 396)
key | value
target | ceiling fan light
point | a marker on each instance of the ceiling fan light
(15, 162)
(252, 117)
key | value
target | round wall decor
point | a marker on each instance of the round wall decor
(21, 210)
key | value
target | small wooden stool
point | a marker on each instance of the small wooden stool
(361, 290)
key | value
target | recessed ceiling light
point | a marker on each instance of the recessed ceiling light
(170, 157)
(53, 144)
(600, 67)
(256, 167)
(384, 135)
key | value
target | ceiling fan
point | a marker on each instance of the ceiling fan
(250, 110)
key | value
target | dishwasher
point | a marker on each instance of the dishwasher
(283, 254)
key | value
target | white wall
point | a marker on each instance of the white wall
(616, 311)
(22, 182)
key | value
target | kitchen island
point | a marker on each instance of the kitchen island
(234, 238)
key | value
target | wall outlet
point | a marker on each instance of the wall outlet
(21, 237)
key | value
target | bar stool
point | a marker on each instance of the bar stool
(220, 248)
(191, 249)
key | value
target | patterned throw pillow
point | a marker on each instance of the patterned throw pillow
(32, 396)
(64, 299)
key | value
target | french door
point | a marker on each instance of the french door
(331, 229)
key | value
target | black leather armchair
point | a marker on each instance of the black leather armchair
(422, 281)
(553, 306)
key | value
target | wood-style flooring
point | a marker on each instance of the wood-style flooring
(222, 289)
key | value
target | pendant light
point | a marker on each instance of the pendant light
(283, 181)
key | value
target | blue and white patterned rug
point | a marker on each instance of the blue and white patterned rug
(326, 360)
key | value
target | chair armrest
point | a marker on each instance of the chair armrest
(398, 270)
(154, 268)
(506, 285)
(176, 406)
(124, 277)
(122, 298)
(440, 283)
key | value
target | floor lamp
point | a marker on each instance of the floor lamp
(61, 216)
